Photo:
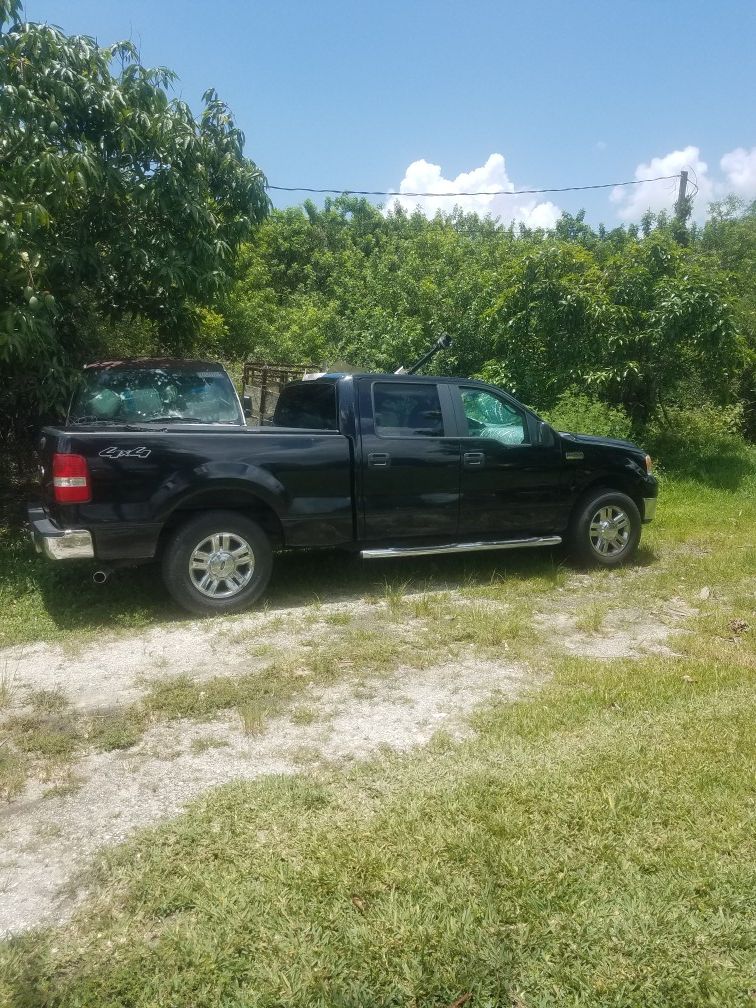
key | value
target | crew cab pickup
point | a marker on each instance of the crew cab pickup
(156, 462)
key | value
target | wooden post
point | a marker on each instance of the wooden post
(681, 206)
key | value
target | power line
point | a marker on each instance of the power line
(488, 192)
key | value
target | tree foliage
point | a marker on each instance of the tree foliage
(129, 226)
(115, 202)
(630, 315)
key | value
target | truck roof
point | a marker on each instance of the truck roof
(147, 363)
(333, 376)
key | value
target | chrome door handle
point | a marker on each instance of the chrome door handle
(379, 460)
(473, 459)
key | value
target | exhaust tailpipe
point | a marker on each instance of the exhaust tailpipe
(100, 576)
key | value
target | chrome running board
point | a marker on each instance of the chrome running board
(465, 547)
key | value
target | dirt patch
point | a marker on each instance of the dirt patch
(622, 635)
(47, 841)
(113, 672)
(619, 631)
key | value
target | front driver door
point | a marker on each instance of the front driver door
(509, 483)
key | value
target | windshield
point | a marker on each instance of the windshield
(144, 395)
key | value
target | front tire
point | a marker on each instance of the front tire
(219, 562)
(605, 529)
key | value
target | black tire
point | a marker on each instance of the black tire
(240, 581)
(623, 529)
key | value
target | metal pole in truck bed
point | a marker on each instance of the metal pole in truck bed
(442, 343)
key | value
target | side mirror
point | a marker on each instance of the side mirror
(247, 405)
(546, 436)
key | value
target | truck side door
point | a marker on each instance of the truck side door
(409, 459)
(510, 484)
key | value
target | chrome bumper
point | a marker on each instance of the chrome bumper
(56, 543)
(649, 509)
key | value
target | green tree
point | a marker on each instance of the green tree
(547, 318)
(629, 315)
(115, 203)
(729, 235)
(671, 329)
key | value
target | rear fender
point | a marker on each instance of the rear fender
(231, 478)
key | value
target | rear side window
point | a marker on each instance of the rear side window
(307, 404)
(402, 409)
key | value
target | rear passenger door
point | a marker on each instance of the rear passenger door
(409, 459)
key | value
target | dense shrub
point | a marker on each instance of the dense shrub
(706, 443)
(580, 413)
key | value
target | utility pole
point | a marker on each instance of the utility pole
(681, 206)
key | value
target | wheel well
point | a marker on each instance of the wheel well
(613, 483)
(226, 500)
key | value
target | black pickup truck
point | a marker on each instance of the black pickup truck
(156, 462)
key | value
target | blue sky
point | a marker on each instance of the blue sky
(350, 94)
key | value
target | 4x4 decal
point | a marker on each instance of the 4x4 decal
(115, 452)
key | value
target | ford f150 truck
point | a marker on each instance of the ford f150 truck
(156, 462)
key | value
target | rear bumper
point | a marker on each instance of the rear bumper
(649, 509)
(57, 543)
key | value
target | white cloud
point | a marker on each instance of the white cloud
(633, 201)
(739, 166)
(422, 176)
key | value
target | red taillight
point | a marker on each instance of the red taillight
(71, 484)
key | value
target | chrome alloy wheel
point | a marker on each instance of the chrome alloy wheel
(610, 530)
(221, 565)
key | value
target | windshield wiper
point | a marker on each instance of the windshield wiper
(177, 419)
(86, 422)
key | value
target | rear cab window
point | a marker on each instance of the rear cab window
(309, 404)
(405, 409)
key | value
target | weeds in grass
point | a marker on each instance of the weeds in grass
(47, 701)
(304, 755)
(253, 716)
(50, 735)
(697, 538)
(394, 597)
(6, 685)
(592, 618)
(303, 715)
(67, 785)
(200, 745)
(118, 729)
(429, 607)
(49, 831)
(13, 771)
(339, 618)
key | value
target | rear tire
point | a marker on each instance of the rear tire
(605, 529)
(218, 562)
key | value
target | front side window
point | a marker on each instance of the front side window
(489, 416)
(146, 395)
(406, 410)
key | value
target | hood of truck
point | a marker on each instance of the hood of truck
(602, 442)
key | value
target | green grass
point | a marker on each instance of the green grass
(589, 846)
(592, 844)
